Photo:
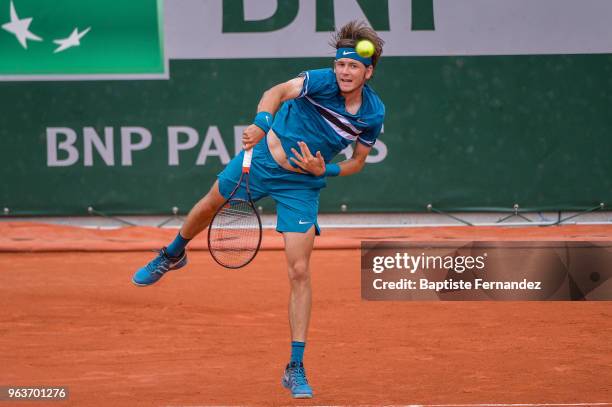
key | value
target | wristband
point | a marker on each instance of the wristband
(332, 170)
(263, 120)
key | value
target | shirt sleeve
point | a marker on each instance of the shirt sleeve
(317, 81)
(369, 137)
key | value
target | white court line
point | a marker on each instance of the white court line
(513, 405)
(480, 405)
(430, 405)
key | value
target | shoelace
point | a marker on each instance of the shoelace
(159, 265)
(299, 376)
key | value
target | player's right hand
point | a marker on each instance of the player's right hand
(251, 136)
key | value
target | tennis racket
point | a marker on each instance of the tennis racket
(234, 234)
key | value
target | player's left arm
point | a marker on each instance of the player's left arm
(356, 163)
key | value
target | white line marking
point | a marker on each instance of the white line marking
(483, 405)
(514, 405)
(434, 405)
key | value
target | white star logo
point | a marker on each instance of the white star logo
(74, 40)
(19, 27)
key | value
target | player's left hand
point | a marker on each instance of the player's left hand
(313, 164)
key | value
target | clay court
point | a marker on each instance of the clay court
(117, 115)
(209, 336)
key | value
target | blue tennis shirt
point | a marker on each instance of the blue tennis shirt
(319, 118)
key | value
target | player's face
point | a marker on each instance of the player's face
(350, 74)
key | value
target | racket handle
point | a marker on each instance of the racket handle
(246, 161)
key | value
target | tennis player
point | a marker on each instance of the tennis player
(301, 125)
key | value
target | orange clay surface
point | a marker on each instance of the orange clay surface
(203, 335)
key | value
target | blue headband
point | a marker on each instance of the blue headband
(352, 54)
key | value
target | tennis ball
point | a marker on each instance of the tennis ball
(365, 48)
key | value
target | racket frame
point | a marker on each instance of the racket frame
(246, 166)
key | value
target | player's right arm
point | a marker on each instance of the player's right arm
(270, 102)
(273, 97)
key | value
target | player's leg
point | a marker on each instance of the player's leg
(201, 214)
(198, 219)
(297, 220)
(298, 247)
(173, 257)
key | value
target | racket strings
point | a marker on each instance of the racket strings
(235, 234)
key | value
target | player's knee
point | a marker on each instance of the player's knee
(202, 208)
(298, 271)
(208, 205)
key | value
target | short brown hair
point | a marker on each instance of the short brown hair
(352, 32)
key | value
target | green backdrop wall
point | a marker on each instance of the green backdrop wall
(462, 133)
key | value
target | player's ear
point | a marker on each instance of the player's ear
(369, 72)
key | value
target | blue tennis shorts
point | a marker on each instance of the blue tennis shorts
(296, 195)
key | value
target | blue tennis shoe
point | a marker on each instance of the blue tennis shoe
(159, 266)
(295, 380)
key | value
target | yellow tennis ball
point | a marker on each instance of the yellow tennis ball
(365, 48)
